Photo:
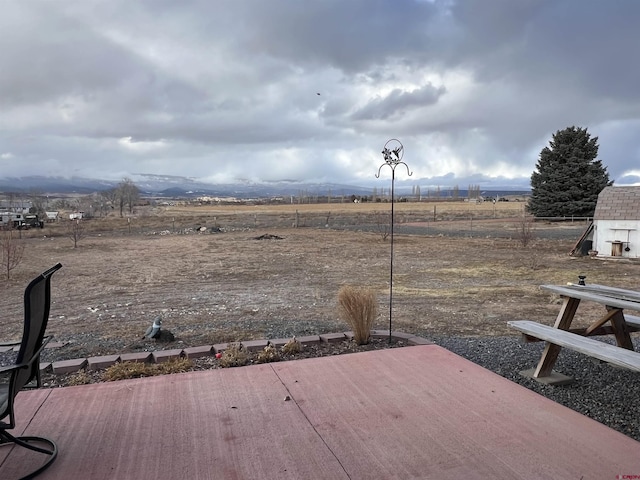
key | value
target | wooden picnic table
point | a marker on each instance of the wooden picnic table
(613, 321)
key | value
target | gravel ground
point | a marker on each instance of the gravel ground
(605, 393)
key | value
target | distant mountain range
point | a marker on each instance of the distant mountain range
(183, 187)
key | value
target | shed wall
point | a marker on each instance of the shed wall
(609, 231)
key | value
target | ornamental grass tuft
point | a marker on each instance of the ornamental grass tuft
(358, 307)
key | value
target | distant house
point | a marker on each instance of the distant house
(76, 216)
(616, 222)
(52, 216)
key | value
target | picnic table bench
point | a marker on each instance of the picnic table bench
(613, 322)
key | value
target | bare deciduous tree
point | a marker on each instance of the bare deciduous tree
(127, 195)
(75, 231)
(38, 203)
(526, 232)
(87, 205)
(107, 201)
(383, 225)
(12, 249)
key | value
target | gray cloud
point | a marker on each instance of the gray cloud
(398, 101)
(223, 90)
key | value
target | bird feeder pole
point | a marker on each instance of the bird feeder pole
(392, 152)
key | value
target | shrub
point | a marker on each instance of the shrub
(234, 356)
(292, 347)
(358, 307)
(81, 377)
(269, 354)
(11, 251)
(526, 231)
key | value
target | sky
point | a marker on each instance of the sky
(226, 91)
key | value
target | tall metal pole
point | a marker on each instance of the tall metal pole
(392, 158)
(393, 180)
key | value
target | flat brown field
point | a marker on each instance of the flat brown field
(225, 286)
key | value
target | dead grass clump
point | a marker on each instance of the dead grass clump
(269, 354)
(358, 307)
(124, 370)
(234, 356)
(176, 365)
(81, 377)
(534, 263)
(292, 347)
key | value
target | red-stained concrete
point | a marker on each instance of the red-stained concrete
(29, 405)
(415, 412)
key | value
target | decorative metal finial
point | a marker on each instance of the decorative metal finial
(393, 152)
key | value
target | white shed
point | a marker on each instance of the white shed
(617, 222)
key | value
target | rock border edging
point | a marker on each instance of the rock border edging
(62, 367)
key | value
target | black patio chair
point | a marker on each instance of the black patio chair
(26, 370)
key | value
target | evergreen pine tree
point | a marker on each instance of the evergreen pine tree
(568, 178)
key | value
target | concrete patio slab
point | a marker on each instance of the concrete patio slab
(418, 412)
(30, 402)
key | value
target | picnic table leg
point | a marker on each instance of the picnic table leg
(551, 351)
(597, 324)
(621, 330)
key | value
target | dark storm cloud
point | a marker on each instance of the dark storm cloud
(398, 101)
(474, 88)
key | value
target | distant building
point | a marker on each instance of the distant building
(616, 223)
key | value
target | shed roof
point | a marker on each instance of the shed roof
(618, 203)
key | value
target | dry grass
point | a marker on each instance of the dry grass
(235, 355)
(81, 377)
(214, 288)
(358, 307)
(292, 347)
(182, 218)
(124, 370)
(269, 354)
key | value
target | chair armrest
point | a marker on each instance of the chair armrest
(9, 368)
(45, 340)
(36, 357)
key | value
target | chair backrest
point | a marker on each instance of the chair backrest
(37, 301)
